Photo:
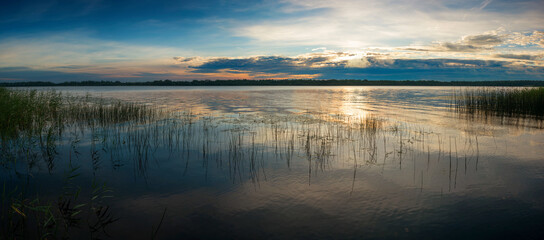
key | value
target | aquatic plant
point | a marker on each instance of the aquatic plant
(508, 102)
(32, 124)
(32, 112)
(27, 111)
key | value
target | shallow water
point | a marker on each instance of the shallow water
(304, 162)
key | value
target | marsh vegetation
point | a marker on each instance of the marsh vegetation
(32, 127)
(508, 102)
(82, 166)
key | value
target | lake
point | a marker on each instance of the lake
(295, 162)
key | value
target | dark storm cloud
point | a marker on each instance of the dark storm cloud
(272, 64)
(483, 40)
(184, 59)
(266, 64)
(519, 56)
(447, 63)
(449, 47)
(459, 47)
(471, 43)
(376, 68)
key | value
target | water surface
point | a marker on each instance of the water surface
(306, 162)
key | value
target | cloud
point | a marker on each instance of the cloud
(269, 64)
(184, 59)
(75, 48)
(523, 39)
(373, 67)
(319, 49)
(76, 56)
(94, 73)
(457, 47)
(485, 42)
(351, 24)
(469, 43)
(29, 74)
(519, 56)
(323, 65)
(492, 39)
(484, 4)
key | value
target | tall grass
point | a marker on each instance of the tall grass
(27, 111)
(31, 125)
(105, 112)
(516, 102)
(33, 112)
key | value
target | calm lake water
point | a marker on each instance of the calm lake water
(303, 163)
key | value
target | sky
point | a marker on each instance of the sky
(144, 40)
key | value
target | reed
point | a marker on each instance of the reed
(34, 112)
(27, 111)
(508, 102)
(32, 126)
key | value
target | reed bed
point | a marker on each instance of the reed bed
(31, 112)
(33, 124)
(104, 112)
(506, 102)
(27, 111)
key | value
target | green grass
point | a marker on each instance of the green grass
(27, 111)
(516, 102)
(33, 112)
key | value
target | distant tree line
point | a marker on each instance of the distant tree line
(293, 82)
